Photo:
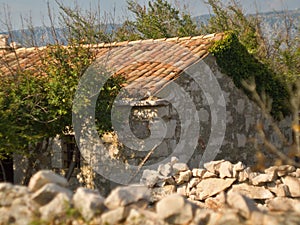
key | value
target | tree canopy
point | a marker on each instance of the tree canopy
(159, 19)
(34, 108)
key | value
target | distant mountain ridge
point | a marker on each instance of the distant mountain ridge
(272, 23)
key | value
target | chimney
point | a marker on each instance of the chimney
(4, 42)
(15, 45)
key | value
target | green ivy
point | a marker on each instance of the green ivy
(35, 107)
(235, 61)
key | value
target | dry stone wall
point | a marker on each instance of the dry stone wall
(241, 120)
(220, 193)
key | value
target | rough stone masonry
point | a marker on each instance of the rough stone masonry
(221, 193)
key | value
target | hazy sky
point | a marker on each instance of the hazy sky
(37, 9)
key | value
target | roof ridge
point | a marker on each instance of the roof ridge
(143, 41)
(126, 43)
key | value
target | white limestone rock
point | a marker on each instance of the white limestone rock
(225, 217)
(145, 217)
(263, 178)
(244, 205)
(194, 182)
(165, 170)
(122, 196)
(5, 217)
(43, 177)
(182, 190)
(294, 185)
(180, 167)
(282, 170)
(183, 177)
(257, 218)
(114, 216)
(55, 208)
(212, 186)
(253, 192)
(9, 192)
(174, 160)
(150, 178)
(158, 193)
(202, 216)
(297, 173)
(208, 174)
(280, 190)
(226, 170)
(23, 210)
(213, 166)
(237, 168)
(181, 211)
(88, 202)
(45, 194)
(4, 186)
(216, 203)
(244, 175)
(21, 215)
(282, 204)
(198, 172)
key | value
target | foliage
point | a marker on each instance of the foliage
(87, 27)
(159, 20)
(279, 71)
(285, 57)
(35, 107)
(64, 66)
(104, 103)
(267, 70)
(230, 53)
(232, 18)
(22, 112)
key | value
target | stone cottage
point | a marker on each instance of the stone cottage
(175, 102)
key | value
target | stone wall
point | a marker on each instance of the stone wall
(156, 123)
(221, 193)
(242, 117)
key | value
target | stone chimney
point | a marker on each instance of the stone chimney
(4, 42)
(15, 45)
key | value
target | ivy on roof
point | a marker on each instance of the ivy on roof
(235, 61)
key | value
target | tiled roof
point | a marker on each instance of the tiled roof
(146, 64)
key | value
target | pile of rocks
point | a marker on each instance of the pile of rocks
(222, 193)
(206, 187)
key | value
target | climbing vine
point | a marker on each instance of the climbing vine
(235, 61)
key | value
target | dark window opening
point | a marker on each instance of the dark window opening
(71, 153)
(7, 170)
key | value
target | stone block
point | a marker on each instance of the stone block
(88, 202)
(123, 196)
(114, 216)
(243, 204)
(263, 178)
(293, 184)
(181, 211)
(45, 194)
(43, 177)
(253, 192)
(212, 186)
(55, 208)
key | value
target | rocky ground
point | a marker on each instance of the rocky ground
(221, 193)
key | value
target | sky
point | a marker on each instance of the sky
(37, 9)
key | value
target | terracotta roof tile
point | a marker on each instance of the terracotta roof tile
(147, 65)
(175, 39)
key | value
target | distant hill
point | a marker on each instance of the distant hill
(273, 23)
(41, 36)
